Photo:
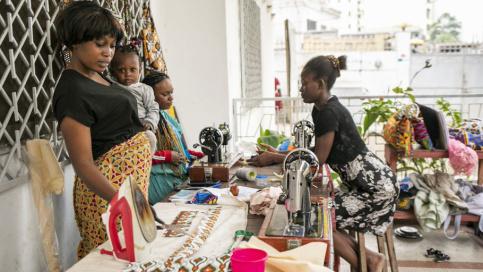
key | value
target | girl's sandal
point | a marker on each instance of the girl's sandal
(432, 253)
(441, 258)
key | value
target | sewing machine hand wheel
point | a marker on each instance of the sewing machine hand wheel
(211, 137)
(303, 131)
(302, 154)
(302, 124)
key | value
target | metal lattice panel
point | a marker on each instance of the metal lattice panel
(29, 59)
(251, 51)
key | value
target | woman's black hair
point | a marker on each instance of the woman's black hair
(154, 78)
(83, 21)
(325, 67)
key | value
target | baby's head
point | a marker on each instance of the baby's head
(125, 66)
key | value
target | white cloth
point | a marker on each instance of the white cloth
(431, 209)
(260, 202)
(46, 177)
(444, 184)
(475, 206)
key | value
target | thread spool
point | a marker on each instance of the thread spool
(248, 174)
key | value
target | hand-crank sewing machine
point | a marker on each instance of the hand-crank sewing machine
(215, 165)
(302, 213)
(296, 184)
(303, 132)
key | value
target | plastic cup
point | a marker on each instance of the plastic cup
(248, 259)
(261, 182)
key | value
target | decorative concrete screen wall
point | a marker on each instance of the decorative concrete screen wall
(30, 65)
(251, 51)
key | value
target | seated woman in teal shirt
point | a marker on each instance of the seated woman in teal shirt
(171, 158)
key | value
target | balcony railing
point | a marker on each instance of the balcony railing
(248, 121)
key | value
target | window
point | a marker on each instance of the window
(311, 25)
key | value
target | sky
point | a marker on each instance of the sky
(379, 13)
(469, 13)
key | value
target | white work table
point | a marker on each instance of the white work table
(233, 217)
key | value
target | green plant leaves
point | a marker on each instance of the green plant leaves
(445, 107)
(271, 138)
(397, 90)
(412, 98)
(369, 119)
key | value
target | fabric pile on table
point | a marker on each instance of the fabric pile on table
(436, 200)
(260, 202)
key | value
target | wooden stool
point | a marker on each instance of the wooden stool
(380, 245)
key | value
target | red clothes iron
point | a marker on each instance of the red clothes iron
(139, 228)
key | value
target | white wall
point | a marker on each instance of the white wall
(449, 74)
(21, 248)
(193, 36)
(201, 44)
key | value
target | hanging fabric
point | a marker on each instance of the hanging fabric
(127, 19)
(153, 54)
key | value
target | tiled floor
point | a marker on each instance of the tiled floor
(466, 251)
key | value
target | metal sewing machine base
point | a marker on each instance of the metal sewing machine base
(279, 220)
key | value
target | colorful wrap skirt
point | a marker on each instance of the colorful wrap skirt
(366, 199)
(132, 157)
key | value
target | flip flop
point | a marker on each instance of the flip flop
(432, 253)
(441, 258)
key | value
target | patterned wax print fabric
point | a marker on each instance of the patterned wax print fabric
(400, 134)
(204, 198)
(120, 16)
(421, 134)
(472, 125)
(184, 219)
(127, 19)
(219, 263)
(366, 199)
(390, 131)
(180, 259)
(132, 157)
(153, 54)
(405, 138)
(475, 141)
(399, 131)
(410, 111)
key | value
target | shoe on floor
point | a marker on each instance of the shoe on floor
(441, 258)
(432, 253)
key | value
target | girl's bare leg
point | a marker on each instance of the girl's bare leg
(346, 247)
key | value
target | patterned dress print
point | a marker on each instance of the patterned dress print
(131, 158)
(365, 201)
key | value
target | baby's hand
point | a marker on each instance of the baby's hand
(146, 126)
